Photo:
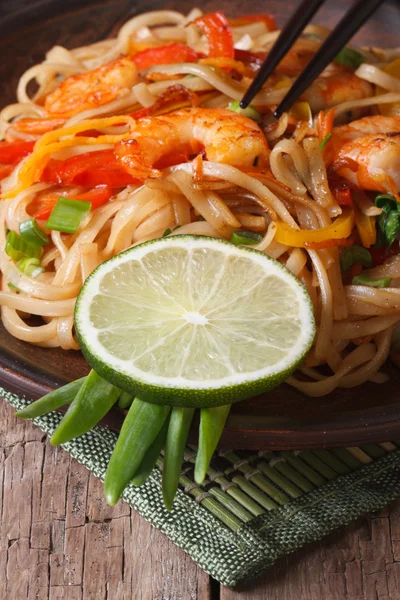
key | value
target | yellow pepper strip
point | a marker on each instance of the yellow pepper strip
(366, 228)
(340, 229)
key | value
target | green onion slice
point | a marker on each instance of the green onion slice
(383, 282)
(17, 248)
(67, 215)
(32, 234)
(30, 267)
(349, 58)
(325, 140)
(249, 111)
(245, 238)
(353, 255)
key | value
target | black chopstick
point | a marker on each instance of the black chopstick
(337, 39)
(285, 41)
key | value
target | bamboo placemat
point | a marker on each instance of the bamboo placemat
(253, 507)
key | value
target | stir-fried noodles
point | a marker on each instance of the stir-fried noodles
(141, 136)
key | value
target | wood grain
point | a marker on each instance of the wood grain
(60, 541)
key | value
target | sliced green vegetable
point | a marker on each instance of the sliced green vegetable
(17, 248)
(349, 58)
(212, 423)
(32, 234)
(67, 215)
(388, 222)
(178, 429)
(249, 111)
(167, 232)
(52, 401)
(150, 458)
(377, 283)
(139, 430)
(325, 140)
(245, 238)
(125, 400)
(30, 267)
(93, 401)
(13, 287)
(353, 255)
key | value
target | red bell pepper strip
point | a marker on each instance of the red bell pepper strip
(164, 55)
(90, 169)
(342, 193)
(12, 152)
(248, 19)
(42, 206)
(5, 171)
(215, 27)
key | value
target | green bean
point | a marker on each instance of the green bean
(150, 458)
(93, 401)
(178, 429)
(212, 422)
(52, 401)
(139, 430)
(125, 400)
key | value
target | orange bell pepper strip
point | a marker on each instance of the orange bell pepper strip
(215, 27)
(340, 229)
(249, 19)
(164, 55)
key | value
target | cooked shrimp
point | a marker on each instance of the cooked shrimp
(336, 87)
(224, 137)
(367, 153)
(92, 89)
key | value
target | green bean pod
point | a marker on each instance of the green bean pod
(212, 423)
(139, 430)
(52, 401)
(150, 458)
(178, 429)
(125, 400)
(93, 401)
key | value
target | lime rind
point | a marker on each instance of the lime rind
(179, 390)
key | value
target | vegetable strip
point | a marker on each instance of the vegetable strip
(93, 401)
(139, 430)
(178, 429)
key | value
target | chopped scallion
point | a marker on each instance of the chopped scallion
(245, 238)
(32, 234)
(17, 248)
(13, 287)
(67, 215)
(353, 255)
(249, 111)
(30, 267)
(383, 282)
(349, 58)
(388, 222)
(325, 140)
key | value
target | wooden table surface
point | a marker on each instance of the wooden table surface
(60, 541)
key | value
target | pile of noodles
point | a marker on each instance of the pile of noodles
(355, 323)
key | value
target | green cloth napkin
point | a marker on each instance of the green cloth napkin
(236, 551)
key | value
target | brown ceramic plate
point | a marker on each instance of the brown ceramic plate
(283, 419)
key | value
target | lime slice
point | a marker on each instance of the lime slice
(193, 321)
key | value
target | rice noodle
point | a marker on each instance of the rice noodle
(200, 197)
